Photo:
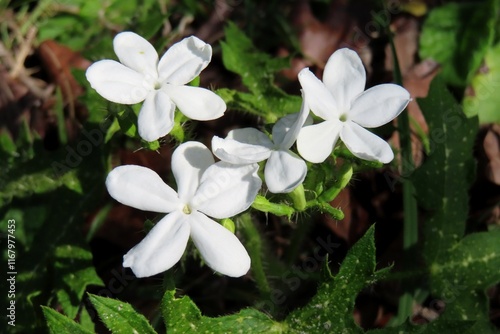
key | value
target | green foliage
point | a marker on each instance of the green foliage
(484, 103)
(449, 169)
(256, 70)
(458, 36)
(462, 275)
(181, 315)
(333, 305)
(48, 208)
(73, 270)
(120, 317)
(79, 24)
(58, 323)
(460, 268)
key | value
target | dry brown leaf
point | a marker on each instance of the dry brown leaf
(57, 61)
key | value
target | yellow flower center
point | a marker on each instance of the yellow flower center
(186, 209)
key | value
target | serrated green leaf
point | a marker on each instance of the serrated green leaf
(256, 69)
(182, 316)
(58, 323)
(120, 317)
(442, 182)
(331, 309)
(457, 36)
(485, 101)
(74, 271)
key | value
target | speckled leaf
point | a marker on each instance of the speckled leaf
(457, 36)
(331, 309)
(486, 84)
(466, 305)
(256, 70)
(119, 316)
(74, 271)
(472, 264)
(58, 323)
(181, 315)
(442, 182)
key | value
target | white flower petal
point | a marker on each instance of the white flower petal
(235, 152)
(161, 248)
(189, 162)
(243, 146)
(250, 136)
(220, 249)
(316, 142)
(196, 103)
(345, 77)
(156, 117)
(226, 190)
(284, 171)
(364, 144)
(286, 130)
(141, 188)
(117, 83)
(136, 53)
(184, 61)
(379, 105)
(318, 98)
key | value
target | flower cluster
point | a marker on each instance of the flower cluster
(226, 188)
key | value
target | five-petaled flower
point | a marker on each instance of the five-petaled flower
(284, 170)
(340, 100)
(161, 84)
(205, 188)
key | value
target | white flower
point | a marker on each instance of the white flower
(347, 109)
(205, 188)
(284, 170)
(139, 76)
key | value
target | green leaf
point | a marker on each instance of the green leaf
(333, 305)
(442, 182)
(120, 317)
(59, 214)
(471, 264)
(256, 69)
(457, 36)
(182, 316)
(74, 271)
(466, 305)
(59, 323)
(485, 101)
(40, 182)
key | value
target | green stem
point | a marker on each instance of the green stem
(264, 205)
(342, 179)
(299, 198)
(255, 246)
(410, 233)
